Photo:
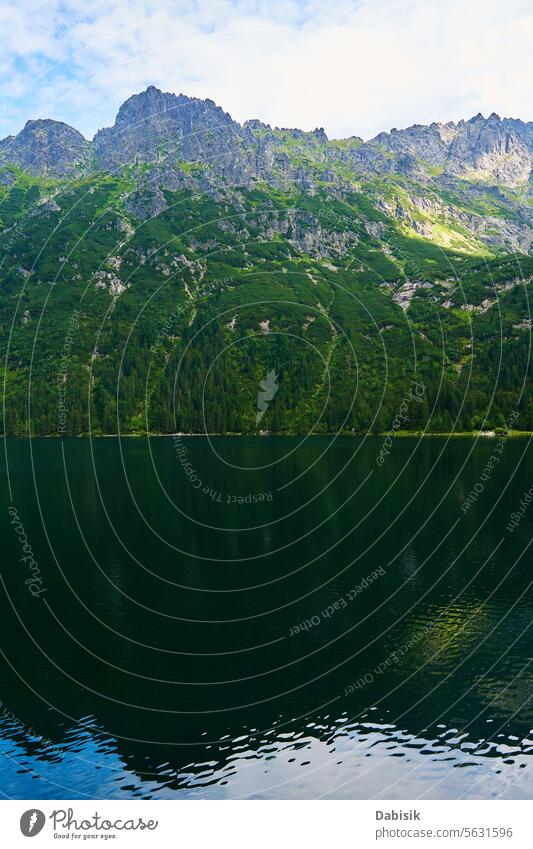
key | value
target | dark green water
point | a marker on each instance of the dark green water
(277, 619)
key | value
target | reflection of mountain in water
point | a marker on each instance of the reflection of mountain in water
(183, 664)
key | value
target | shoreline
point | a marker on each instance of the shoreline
(488, 435)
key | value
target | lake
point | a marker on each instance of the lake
(267, 618)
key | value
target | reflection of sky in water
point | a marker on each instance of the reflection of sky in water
(179, 664)
(364, 760)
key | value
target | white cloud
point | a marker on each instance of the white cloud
(352, 67)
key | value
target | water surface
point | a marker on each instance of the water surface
(266, 618)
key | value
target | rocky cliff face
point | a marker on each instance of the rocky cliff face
(154, 125)
(161, 128)
(182, 142)
(494, 149)
(46, 148)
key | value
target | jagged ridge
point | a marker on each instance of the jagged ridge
(199, 130)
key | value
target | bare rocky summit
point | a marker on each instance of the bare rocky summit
(175, 142)
(46, 148)
(155, 126)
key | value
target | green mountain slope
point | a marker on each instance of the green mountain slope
(151, 280)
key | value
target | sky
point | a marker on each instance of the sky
(354, 67)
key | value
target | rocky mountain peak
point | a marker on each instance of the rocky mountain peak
(152, 121)
(163, 129)
(256, 124)
(149, 104)
(492, 147)
(46, 147)
(320, 134)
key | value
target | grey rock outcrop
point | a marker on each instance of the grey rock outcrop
(190, 143)
(155, 126)
(46, 148)
(162, 128)
(493, 148)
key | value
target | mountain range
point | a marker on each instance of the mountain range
(198, 254)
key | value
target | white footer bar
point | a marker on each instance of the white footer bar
(255, 824)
